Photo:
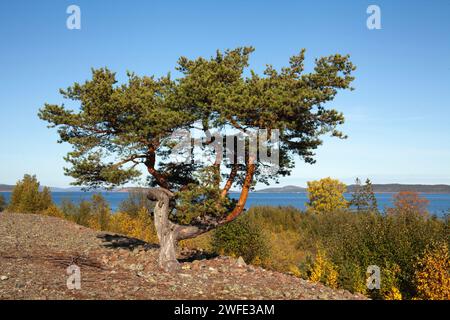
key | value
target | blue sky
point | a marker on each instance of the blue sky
(397, 118)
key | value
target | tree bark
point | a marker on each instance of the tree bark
(166, 230)
(170, 233)
(239, 208)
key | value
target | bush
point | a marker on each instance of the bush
(323, 270)
(53, 211)
(79, 213)
(137, 199)
(353, 241)
(432, 276)
(2, 203)
(242, 237)
(140, 226)
(100, 214)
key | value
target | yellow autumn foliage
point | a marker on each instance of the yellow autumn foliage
(432, 276)
(53, 211)
(326, 195)
(140, 227)
(389, 282)
(324, 271)
(393, 293)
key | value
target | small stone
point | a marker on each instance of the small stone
(240, 262)
(3, 278)
(185, 275)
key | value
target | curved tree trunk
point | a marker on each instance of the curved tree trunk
(170, 233)
(166, 230)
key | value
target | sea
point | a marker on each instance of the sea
(439, 204)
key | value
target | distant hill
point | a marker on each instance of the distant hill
(395, 187)
(5, 187)
(378, 188)
(282, 189)
(8, 188)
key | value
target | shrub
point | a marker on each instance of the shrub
(280, 226)
(53, 211)
(100, 214)
(390, 283)
(323, 270)
(137, 199)
(79, 213)
(432, 276)
(140, 226)
(2, 203)
(242, 237)
(353, 241)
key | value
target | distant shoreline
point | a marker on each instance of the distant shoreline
(236, 192)
(377, 188)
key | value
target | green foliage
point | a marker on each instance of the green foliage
(326, 195)
(100, 213)
(80, 213)
(338, 247)
(203, 196)
(3, 203)
(353, 241)
(277, 219)
(242, 237)
(137, 199)
(26, 197)
(94, 213)
(363, 197)
(118, 127)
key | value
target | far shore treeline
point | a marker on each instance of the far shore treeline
(333, 241)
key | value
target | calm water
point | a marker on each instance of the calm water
(439, 203)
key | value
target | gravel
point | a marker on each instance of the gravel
(35, 252)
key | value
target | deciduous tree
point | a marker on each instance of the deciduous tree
(408, 202)
(326, 195)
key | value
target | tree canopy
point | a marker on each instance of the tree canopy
(326, 195)
(119, 127)
(26, 196)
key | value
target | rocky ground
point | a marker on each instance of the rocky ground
(35, 252)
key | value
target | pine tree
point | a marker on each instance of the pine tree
(363, 197)
(371, 199)
(121, 126)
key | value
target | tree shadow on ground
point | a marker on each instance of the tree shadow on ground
(196, 255)
(115, 241)
(124, 242)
